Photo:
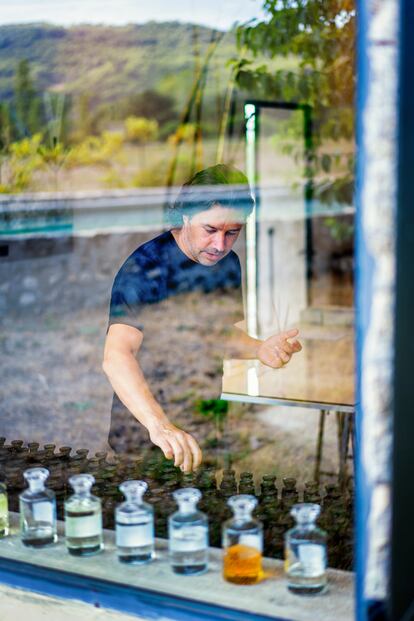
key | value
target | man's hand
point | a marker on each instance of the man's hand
(176, 444)
(276, 351)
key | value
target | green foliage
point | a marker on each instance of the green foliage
(215, 410)
(97, 150)
(340, 231)
(24, 160)
(141, 130)
(6, 126)
(149, 104)
(27, 103)
(322, 37)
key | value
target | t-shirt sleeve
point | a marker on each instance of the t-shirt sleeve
(130, 294)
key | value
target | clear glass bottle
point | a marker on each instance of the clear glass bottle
(4, 511)
(188, 534)
(242, 542)
(134, 523)
(37, 510)
(306, 552)
(83, 518)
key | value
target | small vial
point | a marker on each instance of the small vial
(305, 552)
(37, 510)
(242, 542)
(134, 523)
(83, 518)
(188, 534)
(4, 511)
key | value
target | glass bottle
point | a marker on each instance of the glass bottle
(242, 542)
(83, 518)
(4, 511)
(134, 521)
(305, 552)
(188, 534)
(37, 510)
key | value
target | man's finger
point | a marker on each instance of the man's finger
(178, 451)
(287, 347)
(187, 463)
(166, 448)
(296, 346)
(196, 451)
(284, 356)
(288, 334)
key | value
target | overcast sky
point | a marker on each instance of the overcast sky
(216, 13)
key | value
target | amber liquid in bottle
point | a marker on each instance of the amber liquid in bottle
(242, 542)
(242, 564)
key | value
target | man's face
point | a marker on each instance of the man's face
(210, 234)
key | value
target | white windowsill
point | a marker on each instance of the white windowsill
(269, 597)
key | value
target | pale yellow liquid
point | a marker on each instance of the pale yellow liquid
(4, 515)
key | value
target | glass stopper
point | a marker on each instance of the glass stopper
(305, 513)
(36, 478)
(187, 498)
(133, 490)
(82, 483)
(242, 505)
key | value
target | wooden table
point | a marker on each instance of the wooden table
(320, 377)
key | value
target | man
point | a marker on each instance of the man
(194, 256)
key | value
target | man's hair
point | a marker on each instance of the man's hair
(218, 185)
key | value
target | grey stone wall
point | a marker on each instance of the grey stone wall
(378, 196)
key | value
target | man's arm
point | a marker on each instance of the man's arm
(127, 379)
(275, 351)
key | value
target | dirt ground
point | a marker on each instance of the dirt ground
(54, 390)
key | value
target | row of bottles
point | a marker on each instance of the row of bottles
(188, 531)
(274, 501)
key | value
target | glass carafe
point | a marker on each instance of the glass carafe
(242, 542)
(305, 552)
(134, 525)
(4, 511)
(37, 510)
(188, 534)
(83, 518)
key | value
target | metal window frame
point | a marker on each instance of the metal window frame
(252, 114)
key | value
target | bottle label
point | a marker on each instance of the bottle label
(88, 526)
(190, 539)
(134, 535)
(312, 558)
(43, 512)
(252, 541)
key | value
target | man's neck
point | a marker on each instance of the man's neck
(180, 241)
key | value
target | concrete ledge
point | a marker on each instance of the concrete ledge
(269, 599)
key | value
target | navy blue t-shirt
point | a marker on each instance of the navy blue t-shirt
(155, 272)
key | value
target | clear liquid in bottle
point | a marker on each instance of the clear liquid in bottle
(37, 510)
(305, 552)
(134, 521)
(83, 518)
(188, 534)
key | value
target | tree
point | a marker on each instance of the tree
(151, 105)
(26, 101)
(319, 35)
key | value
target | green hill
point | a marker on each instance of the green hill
(110, 62)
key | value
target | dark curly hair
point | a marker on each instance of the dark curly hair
(220, 184)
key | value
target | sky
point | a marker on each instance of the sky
(215, 13)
